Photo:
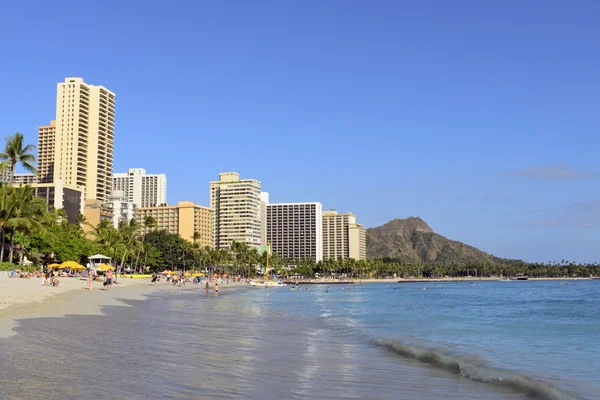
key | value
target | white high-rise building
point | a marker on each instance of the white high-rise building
(141, 189)
(24, 179)
(84, 138)
(122, 208)
(238, 211)
(295, 230)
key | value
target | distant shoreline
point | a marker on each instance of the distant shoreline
(409, 280)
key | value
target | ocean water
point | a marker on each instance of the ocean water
(491, 340)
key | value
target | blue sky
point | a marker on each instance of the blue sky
(480, 117)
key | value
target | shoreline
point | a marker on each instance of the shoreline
(26, 298)
(411, 280)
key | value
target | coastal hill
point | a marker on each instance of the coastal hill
(412, 240)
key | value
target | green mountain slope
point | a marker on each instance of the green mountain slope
(412, 240)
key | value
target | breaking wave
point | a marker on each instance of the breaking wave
(474, 368)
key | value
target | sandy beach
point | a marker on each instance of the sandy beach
(27, 298)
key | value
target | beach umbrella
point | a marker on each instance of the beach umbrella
(197, 274)
(187, 274)
(173, 272)
(166, 272)
(72, 265)
(51, 266)
(104, 267)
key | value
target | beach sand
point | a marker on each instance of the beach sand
(27, 298)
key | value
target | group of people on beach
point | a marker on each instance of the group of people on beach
(92, 276)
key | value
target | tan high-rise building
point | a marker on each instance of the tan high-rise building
(183, 219)
(239, 211)
(46, 146)
(84, 139)
(343, 238)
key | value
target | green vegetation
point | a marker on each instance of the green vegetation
(15, 152)
(388, 267)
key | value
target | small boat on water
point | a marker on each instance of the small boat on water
(269, 284)
(504, 280)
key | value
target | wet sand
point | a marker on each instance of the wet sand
(27, 298)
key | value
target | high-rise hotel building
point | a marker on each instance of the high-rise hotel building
(141, 189)
(295, 230)
(84, 137)
(238, 211)
(343, 238)
(184, 219)
(46, 146)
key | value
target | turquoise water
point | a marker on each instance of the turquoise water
(504, 333)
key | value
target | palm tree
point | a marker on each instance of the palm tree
(15, 153)
(6, 210)
(27, 213)
(107, 236)
(129, 238)
(149, 223)
(196, 237)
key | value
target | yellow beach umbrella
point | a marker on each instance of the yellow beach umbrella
(104, 267)
(52, 266)
(173, 272)
(166, 272)
(187, 274)
(72, 265)
(197, 274)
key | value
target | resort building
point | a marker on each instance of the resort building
(122, 208)
(238, 211)
(5, 176)
(60, 196)
(141, 189)
(295, 230)
(45, 149)
(25, 179)
(95, 211)
(84, 137)
(343, 238)
(184, 219)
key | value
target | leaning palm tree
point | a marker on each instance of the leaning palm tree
(15, 152)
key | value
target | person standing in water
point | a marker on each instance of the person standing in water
(216, 289)
(206, 289)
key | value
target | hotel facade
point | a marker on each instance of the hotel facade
(84, 137)
(239, 212)
(343, 238)
(46, 149)
(141, 189)
(295, 230)
(184, 219)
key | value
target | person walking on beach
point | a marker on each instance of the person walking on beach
(109, 278)
(206, 289)
(216, 290)
(90, 279)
